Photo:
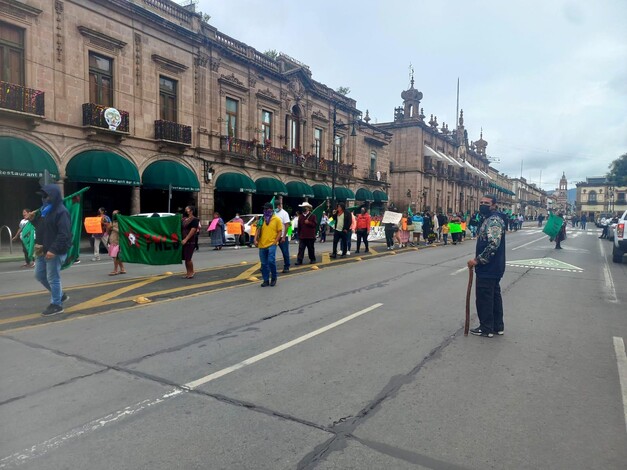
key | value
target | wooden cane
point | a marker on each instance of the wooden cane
(467, 321)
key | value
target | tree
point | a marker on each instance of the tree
(618, 171)
(272, 53)
(343, 90)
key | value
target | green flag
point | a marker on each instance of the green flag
(318, 213)
(553, 225)
(410, 214)
(150, 240)
(28, 239)
(74, 204)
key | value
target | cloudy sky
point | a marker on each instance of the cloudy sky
(545, 79)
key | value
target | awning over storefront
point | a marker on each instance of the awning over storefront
(342, 193)
(97, 166)
(235, 183)
(21, 158)
(299, 189)
(364, 194)
(162, 174)
(501, 188)
(380, 196)
(321, 191)
(271, 187)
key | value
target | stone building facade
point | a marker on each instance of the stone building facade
(154, 108)
(597, 197)
(433, 168)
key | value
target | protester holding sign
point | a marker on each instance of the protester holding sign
(216, 231)
(236, 228)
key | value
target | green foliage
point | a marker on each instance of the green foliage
(343, 90)
(618, 171)
(272, 53)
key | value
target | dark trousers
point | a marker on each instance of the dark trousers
(309, 244)
(362, 234)
(339, 236)
(285, 251)
(323, 233)
(489, 304)
(389, 238)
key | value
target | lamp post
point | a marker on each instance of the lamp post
(334, 164)
(610, 191)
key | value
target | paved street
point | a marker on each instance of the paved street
(359, 364)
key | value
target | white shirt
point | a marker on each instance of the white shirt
(285, 218)
(22, 225)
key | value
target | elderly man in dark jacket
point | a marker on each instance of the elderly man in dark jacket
(343, 222)
(307, 224)
(53, 240)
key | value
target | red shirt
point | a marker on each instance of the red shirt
(363, 221)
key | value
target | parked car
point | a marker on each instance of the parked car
(619, 247)
(248, 220)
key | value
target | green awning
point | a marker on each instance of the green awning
(235, 183)
(342, 193)
(22, 159)
(364, 194)
(271, 187)
(321, 191)
(97, 166)
(162, 174)
(299, 189)
(380, 196)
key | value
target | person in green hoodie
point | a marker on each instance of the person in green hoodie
(455, 227)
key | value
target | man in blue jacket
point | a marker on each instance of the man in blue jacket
(489, 264)
(53, 240)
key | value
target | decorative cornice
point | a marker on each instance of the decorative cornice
(101, 39)
(18, 9)
(267, 95)
(232, 81)
(168, 64)
(319, 115)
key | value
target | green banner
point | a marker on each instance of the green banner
(74, 204)
(150, 240)
(28, 239)
(553, 225)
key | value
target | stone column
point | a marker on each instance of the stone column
(135, 200)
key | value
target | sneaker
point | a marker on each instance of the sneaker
(478, 332)
(500, 332)
(348, 252)
(51, 310)
(65, 297)
(77, 261)
(96, 258)
(286, 270)
(236, 247)
(265, 284)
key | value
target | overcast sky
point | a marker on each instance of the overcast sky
(547, 80)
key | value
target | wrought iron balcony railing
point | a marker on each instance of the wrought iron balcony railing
(173, 132)
(93, 115)
(18, 98)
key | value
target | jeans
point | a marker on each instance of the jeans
(489, 304)
(349, 239)
(285, 250)
(267, 256)
(339, 236)
(323, 233)
(362, 234)
(48, 272)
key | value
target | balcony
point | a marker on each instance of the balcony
(21, 101)
(378, 176)
(251, 150)
(173, 134)
(94, 119)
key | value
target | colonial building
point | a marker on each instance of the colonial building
(529, 200)
(142, 99)
(434, 168)
(597, 197)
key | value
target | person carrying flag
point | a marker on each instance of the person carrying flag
(54, 239)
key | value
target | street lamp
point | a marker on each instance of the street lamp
(610, 191)
(334, 164)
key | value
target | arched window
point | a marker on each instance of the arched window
(373, 161)
(592, 197)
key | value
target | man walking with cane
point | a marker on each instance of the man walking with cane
(489, 265)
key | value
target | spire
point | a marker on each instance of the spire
(367, 117)
(411, 98)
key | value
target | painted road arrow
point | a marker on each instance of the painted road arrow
(545, 263)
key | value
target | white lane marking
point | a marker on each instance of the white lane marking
(609, 280)
(42, 448)
(621, 362)
(221, 373)
(461, 270)
(526, 244)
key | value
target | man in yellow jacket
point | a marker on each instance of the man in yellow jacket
(266, 239)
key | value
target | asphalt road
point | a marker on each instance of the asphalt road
(356, 365)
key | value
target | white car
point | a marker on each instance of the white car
(248, 221)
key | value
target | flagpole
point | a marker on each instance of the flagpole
(457, 110)
(169, 196)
